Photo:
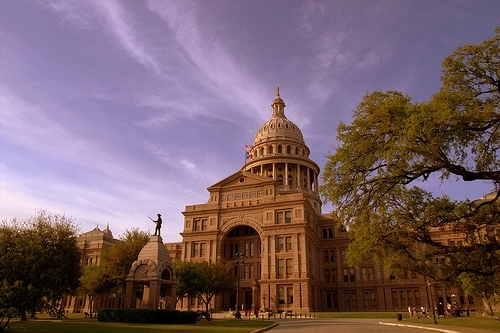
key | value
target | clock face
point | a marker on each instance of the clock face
(141, 272)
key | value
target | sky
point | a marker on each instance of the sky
(113, 111)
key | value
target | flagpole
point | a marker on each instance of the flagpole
(245, 157)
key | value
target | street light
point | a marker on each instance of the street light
(239, 260)
(432, 302)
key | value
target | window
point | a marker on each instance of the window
(395, 299)
(326, 257)
(233, 249)
(284, 216)
(203, 249)
(327, 233)
(289, 266)
(343, 253)
(281, 295)
(279, 217)
(332, 255)
(352, 275)
(197, 225)
(366, 299)
(289, 295)
(346, 275)
(373, 299)
(281, 267)
(248, 272)
(327, 275)
(371, 275)
(204, 224)
(280, 244)
(288, 243)
(196, 250)
(249, 250)
(364, 274)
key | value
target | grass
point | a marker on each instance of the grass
(77, 324)
(90, 325)
(481, 322)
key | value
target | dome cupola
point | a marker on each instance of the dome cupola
(278, 127)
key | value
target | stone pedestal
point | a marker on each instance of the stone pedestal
(153, 268)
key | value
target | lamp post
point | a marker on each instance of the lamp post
(432, 302)
(239, 260)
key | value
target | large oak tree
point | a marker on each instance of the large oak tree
(117, 260)
(376, 175)
(39, 262)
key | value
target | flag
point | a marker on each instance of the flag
(248, 151)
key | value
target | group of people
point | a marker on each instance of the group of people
(413, 311)
(451, 310)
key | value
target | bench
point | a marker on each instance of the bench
(204, 314)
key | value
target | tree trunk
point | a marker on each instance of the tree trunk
(91, 299)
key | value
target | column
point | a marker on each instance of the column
(296, 260)
(129, 301)
(272, 255)
(299, 180)
(154, 294)
(308, 179)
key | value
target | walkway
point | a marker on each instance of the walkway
(362, 325)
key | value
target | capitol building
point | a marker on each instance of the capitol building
(269, 215)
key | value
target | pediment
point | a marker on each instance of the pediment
(241, 179)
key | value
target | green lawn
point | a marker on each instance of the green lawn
(485, 323)
(90, 325)
(482, 322)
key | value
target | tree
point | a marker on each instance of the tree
(204, 279)
(94, 282)
(190, 279)
(117, 260)
(394, 145)
(221, 280)
(481, 287)
(40, 257)
(11, 296)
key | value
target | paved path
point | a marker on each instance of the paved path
(357, 325)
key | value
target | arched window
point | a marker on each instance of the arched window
(280, 149)
(270, 149)
(290, 180)
(280, 180)
(288, 149)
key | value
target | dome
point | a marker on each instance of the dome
(278, 127)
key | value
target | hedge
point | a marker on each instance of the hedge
(150, 316)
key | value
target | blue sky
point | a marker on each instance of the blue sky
(113, 111)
